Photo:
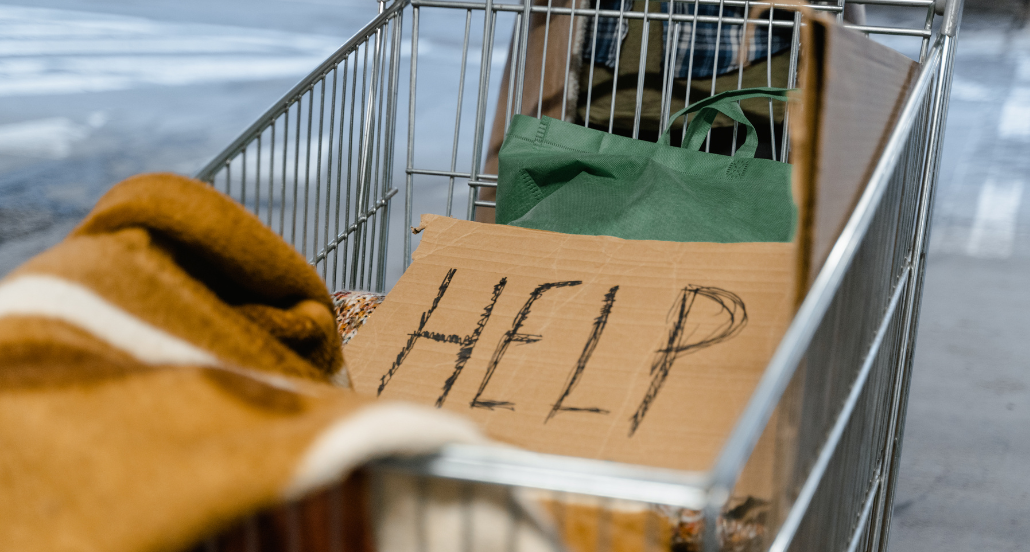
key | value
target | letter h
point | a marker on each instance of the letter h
(467, 342)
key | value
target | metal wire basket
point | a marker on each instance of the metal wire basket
(324, 166)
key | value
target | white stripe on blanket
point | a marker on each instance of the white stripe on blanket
(52, 297)
(380, 429)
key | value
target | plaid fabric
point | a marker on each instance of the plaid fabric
(716, 51)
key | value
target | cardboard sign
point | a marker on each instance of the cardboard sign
(592, 346)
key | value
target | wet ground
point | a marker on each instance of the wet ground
(965, 469)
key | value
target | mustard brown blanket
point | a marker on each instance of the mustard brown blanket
(167, 370)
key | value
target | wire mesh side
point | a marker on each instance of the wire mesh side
(317, 168)
(559, 51)
(837, 426)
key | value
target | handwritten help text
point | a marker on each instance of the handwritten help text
(680, 342)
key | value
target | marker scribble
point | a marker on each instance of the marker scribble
(678, 344)
(513, 336)
(588, 350)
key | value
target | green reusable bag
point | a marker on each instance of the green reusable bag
(566, 178)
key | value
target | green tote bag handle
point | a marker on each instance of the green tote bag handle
(725, 103)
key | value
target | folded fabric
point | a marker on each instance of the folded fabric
(166, 370)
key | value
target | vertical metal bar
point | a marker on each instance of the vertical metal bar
(271, 172)
(286, 147)
(672, 33)
(358, 250)
(715, 64)
(257, 177)
(768, 82)
(690, 64)
(350, 171)
(792, 78)
(243, 179)
(457, 115)
(391, 126)
(296, 172)
(339, 177)
(710, 531)
(568, 58)
(527, 17)
(370, 213)
(307, 172)
(378, 166)
(671, 70)
(318, 171)
(543, 61)
(593, 58)
(642, 66)
(409, 189)
(517, 53)
(377, 175)
(365, 162)
(740, 72)
(618, 58)
(484, 88)
(329, 176)
(924, 46)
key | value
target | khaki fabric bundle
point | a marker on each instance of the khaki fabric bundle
(167, 371)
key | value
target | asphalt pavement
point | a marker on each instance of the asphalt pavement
(94, 92)
(86, 104)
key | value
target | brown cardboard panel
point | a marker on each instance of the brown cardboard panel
(863, 87)
(592, 346)
(853, 92)
(804, 119)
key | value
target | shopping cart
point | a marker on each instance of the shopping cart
(405, 107)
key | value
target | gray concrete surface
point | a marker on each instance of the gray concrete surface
(965, 474)
(964, 482)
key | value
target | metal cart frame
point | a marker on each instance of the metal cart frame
(319, 168)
